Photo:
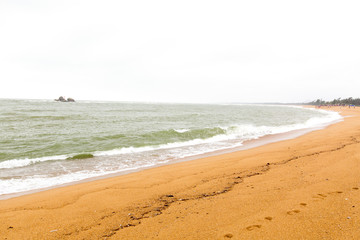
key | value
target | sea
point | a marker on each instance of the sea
(44, 143)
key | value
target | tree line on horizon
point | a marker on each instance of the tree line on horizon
(338, 101)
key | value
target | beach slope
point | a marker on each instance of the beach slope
(303, 188)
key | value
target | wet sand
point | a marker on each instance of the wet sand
(303, 188)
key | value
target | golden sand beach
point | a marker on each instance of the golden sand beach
(302, 188)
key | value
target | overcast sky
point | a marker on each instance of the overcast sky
(180, 51)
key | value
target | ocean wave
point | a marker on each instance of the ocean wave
(181, 130)
(193, 142)
(14, 163)
(37, 182)
(184, 134)
(193, 138)
(239, 132)
(21, 184)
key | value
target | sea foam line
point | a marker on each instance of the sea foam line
(13, 163)
(16, 185)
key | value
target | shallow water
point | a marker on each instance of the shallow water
(38, 136)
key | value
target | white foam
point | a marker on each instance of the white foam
(37, 182)
(252, 132)
(181, 130)
(16, 185)
(29, 161)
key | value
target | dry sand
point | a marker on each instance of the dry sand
(303, 188)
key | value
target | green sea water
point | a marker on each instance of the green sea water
(39, 136)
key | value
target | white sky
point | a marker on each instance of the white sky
(180, 51)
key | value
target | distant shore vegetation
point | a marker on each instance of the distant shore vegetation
(337, 102)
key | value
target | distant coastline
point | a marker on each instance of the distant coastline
(337, 102)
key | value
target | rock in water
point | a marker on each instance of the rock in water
(62, 99)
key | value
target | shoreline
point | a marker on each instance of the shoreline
(301, 187)
(248, 144)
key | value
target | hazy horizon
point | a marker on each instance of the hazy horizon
(153, 102)
(188, 52)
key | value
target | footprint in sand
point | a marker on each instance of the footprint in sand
(268, 218)
(228, 235)
(303, 204)
(337, 192)
(252, 227)
(293, 212)
(355, 188)
(320, 196)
